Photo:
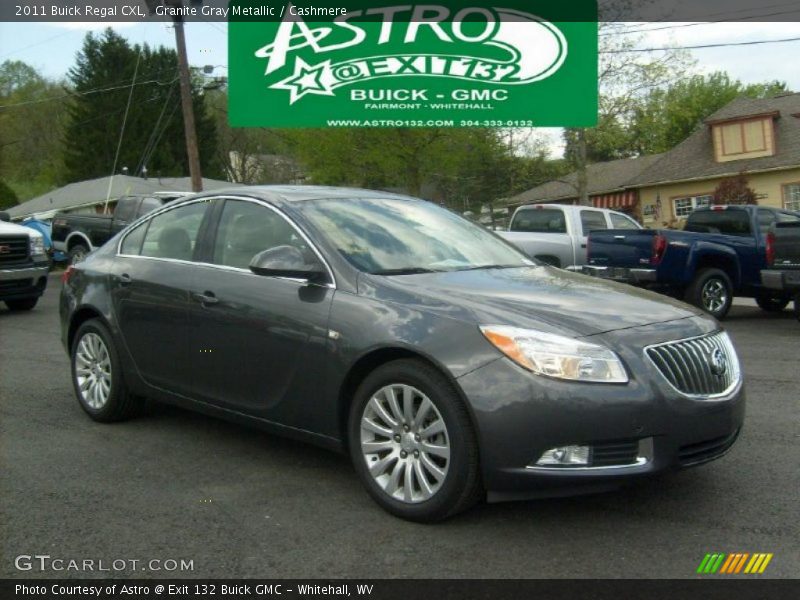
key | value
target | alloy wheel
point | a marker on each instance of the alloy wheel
(714, 295)
(405, 443)
(93, 371)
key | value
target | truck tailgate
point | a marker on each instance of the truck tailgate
(787, 244)
(624, 248)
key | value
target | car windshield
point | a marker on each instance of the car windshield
(395, 237)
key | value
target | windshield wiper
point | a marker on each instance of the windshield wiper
(486, 267)
(404, 271)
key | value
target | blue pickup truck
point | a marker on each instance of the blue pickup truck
(719, 255)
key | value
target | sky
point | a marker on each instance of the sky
(51, 48)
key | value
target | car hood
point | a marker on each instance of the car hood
(534, 297)
(14, 229)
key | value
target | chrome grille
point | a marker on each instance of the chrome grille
(694, 366)
(13, 249)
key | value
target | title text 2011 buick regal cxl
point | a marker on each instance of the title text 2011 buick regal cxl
(448, 364)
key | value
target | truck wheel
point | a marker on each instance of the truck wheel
(97, 375)
(24, 304)
(712, 291)
(773, 304)
(77, 253)
(797, 307)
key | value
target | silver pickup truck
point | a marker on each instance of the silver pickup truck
(556, 233)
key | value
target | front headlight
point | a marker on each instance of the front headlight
(37, 245)
(557, 356)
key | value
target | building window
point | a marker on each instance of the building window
(791, 196)
(684, 206)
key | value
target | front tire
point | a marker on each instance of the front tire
(24, 304)
(412, 442)
(772, 304)
(712, 291)
(97, 376)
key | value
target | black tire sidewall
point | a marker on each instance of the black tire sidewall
(23, 304)
(460, 436)
(772, 303)
(112, 408)
(696, 291)
(74, 251)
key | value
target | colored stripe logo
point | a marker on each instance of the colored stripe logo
(734, 564)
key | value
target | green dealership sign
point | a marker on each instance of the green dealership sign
(514, 64)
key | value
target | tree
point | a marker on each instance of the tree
(623, 78)
(734, 190)
(667, 116)
(31, 126)
(106, 69)
(7, 196)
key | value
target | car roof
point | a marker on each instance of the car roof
(296, 193)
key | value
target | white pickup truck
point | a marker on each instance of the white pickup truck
(556, 234)
(23, 265)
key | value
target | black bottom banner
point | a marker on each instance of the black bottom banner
(438, 589)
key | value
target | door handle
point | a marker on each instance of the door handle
(583, 245)
(619, 237)
(206, 298)
(124, 279)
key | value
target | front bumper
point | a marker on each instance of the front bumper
(625, 275)
(25, 282)
(520, 415)
(774, 279)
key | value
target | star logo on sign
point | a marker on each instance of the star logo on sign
(307, 79)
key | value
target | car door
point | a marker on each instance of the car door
(150, 284)
(260, 342)
(590, 219)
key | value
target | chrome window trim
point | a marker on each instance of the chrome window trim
(724, 395)
(300, 232)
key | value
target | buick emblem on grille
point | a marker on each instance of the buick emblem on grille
(718, 362)
(5, 249)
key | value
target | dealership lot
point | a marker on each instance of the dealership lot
(240, 503)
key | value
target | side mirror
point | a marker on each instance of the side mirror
(286, 261)
(4, 216)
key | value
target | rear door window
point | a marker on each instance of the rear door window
(148, 205)
(622, 222)
(540, 220)
(727, 221)
(765, 219)
(592, 220)
(126, 209)
(173, 234)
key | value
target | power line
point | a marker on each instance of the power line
(89, 92)
(725, 16)
(122, 131)
(684, 25)
(702, 46)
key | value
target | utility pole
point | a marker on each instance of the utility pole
(192, 150)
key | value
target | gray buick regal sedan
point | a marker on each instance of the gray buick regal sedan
(449, 365)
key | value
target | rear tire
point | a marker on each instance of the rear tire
(772, 304)
(97, 375)
(404, 469)
(20, 305)
(77, 254)
(712, 291)
(797, 307)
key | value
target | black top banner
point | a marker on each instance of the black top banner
(323, 10)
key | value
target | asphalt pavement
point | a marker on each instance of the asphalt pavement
(238, 502)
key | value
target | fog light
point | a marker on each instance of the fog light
(565, 456)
